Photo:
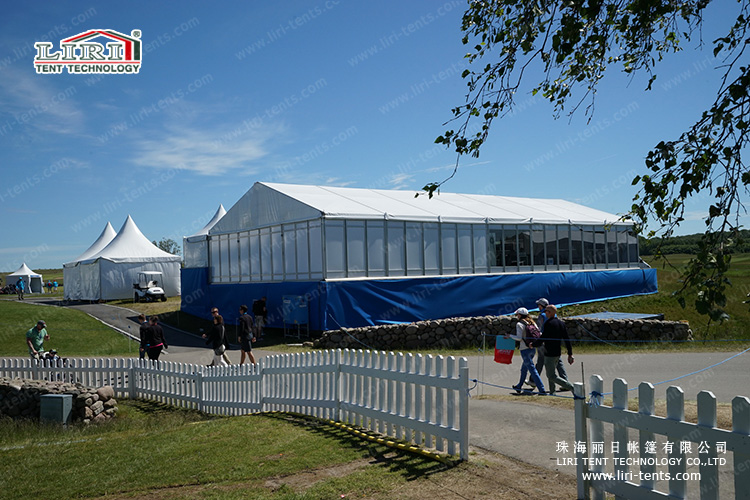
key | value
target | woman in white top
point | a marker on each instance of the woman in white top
(527, 351)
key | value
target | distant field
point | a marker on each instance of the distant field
(72, 332)
(738, 327)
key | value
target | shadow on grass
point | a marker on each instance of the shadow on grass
(409, 465)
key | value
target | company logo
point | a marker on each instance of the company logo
(115, 54)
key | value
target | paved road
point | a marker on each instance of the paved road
(503, 426)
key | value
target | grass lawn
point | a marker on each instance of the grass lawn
(154, 451)
(72, 332)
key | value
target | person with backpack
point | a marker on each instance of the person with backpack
(555, 332)
(527, 334)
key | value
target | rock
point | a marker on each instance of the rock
(106, 392)
(97, 407)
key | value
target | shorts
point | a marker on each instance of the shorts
(246, 345)
(260, 321)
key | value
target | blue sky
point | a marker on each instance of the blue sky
(329, 92)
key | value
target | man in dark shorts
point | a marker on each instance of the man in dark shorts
(247, 335)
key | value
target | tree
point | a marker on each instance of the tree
(574, 42)
(168, 245)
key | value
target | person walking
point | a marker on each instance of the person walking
(247, 337)
(215, 339)
(214, 313)
(144, 326)
(540, 320)
(20, 288)
(523, 336)
(555, 333)
(260, 311)
(35, 338)
(155, 341)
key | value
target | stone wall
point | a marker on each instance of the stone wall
(20, 398)
(468, 332)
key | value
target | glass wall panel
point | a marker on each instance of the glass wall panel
(588, 245)
(576, 245)
(550, 246)
(224, 251)
(254, 255)
(612, 246)
(234, 257)
(600, 249)
(277, 252)
(622, 245)
(537, 238)
(265, 254)
(316, 249)
(510, 248)
(448, 246)
(335, 249)
(632, 247)
(375, 248)
(302, 245)
(495, 249)
(524, 246)
(563, 245)
(431, 249)
(465, 265)
(414, 249)
(288, 237)
(244, 257)
(481, 254)
(396, 254)
(215, 259)
(355, 248)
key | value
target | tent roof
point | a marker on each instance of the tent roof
(220, 212)
(24, 270)
(271, 203)
(130, 245)
(107, 235)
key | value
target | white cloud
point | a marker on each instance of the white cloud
(207, 153)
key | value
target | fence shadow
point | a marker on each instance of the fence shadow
(409, 465)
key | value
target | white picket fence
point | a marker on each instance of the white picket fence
(420, 399)
(703, 459)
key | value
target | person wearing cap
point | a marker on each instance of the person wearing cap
(540, 320)
(35, 338)
(527, 350)
(555, 333)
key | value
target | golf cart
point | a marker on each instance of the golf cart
(147, 289)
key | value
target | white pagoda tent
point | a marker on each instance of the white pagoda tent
(195, 246)
(33, 280)
(72, 271)
(110, 273)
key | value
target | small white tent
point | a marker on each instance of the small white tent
(195, 246)
(32, 280)
(72, 271)
(110, 273)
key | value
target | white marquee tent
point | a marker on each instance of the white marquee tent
(195, 246)
(33, 280)
(110, 273)
(72, 271)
